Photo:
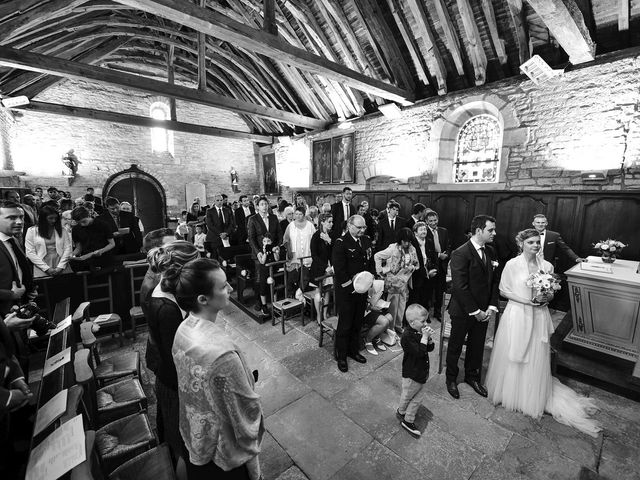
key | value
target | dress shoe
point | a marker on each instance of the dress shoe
(358, 358)
(480, 390)
(452, 388)
(343, 366)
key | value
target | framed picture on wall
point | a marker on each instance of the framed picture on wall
(321, 161)
(342, 161)
(269, 172)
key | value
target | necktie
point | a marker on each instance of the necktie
(346, 211)
(484, 257)
(221, 214)
(393, 224)
(436, 240)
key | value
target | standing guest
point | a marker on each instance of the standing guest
(297, 238)
(389, 226)
(48, 245)
(199, 239)
(53, 195)
(220, 225)
(257, 226)
(38, 193)
(321, 247)
(281, 205)
(254, 200)
(242, 213)
(116, 220)
(94, 243)
(288, 217)
(97, 201)
(127, 207)
(401, 261)
(474, 302)
(66, 204)
(320, 202)
(341, 211)
(16, 277)
(195, 213)
(351, 255)
(422, 278)
(338, 198)
(301, 202)
(416, 344)
(163, 317)
(30, 209)
(418, 214)
(438, 237)
(552, 241)
(312, 215)
(221, 419)
(89, 206)
(326, 208)
(363, 211)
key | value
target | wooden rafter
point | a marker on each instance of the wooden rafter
(269, 14)
(202, 57)
(55, 66)
(514, 8)
(219, 26)
(138, 121)
(171, 80)
(450, 36)
(566, 23)
(498, 43)
(477, 54)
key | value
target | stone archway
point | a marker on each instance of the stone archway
(143, 191)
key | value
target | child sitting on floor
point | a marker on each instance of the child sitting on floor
(416, 343)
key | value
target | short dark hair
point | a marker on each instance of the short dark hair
(432, 213)
(260, 199)
(79, 213)
(301, 209)
(242, 196)
(418, 208)
(346, 188)
(111, 201)
(480, 221)
(52, 189)
(393, 204)
(66, 204)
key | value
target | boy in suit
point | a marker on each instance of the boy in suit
(389, 225)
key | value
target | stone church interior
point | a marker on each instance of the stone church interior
(260, 239)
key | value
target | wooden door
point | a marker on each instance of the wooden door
(145, 198)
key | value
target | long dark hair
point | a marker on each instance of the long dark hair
(43, 225)
(187, 282)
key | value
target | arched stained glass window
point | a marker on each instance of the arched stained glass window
(161, 139)
(477, 157)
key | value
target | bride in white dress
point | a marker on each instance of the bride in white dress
(519, 375)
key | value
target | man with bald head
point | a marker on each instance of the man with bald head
(352, 254)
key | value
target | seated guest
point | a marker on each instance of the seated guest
(221, 419)
(376, 319)
(116, 220)
(48, 245)
(321, 247)
(93, 241)
(401, 261)
(163, 317)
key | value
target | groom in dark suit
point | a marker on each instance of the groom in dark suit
(474, 302)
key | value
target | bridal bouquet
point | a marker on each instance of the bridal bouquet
(544, 283)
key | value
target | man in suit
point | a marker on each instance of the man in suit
(418, 214)
(220, 225)
(97, 201)
(552, 243)
(389, 225)
(257, 225)
(16, 277)
(242, 214)
(116, 219)
(341, 211)
(474, 302)
(352, 254)
(438, 238)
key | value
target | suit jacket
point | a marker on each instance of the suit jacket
(241, 223)
(553, 245)
(216, 225)
(129, 243)
(256, 230)
(445, 247)
(337, 211)
(386, 236)
(9, 274)
(475, 284)
(349, 258)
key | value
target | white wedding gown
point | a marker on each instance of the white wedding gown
(519, 375)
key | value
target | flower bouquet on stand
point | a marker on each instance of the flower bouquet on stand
(609, 249)
(543, 284)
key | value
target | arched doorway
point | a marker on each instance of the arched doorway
(142, 191)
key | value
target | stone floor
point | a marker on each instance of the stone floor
(323, 424)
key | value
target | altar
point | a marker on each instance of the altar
(605, 306)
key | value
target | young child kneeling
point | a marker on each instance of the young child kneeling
(416, 343)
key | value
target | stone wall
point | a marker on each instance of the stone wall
(39, 141)
(588, 119)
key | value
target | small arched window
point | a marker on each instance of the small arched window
(161, 138)
(477, 155)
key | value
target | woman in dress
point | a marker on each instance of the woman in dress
(221, 419)
(401, 261)
(297, 240)
(48, 245)
(519, 375)
(321, 248)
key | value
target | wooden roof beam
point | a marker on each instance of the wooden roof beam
(269, 14)
(433, 59)
(138, 121)
(514, 8)
(202, 57)
(65, 68)
(450, 36)
(492, 24)
(219, 26)
(477, 54)
(566, 23)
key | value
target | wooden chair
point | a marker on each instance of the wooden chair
(101, 283)
(118, 410)
(288, 307)
(245, 263)
(328, 312)
(137, 272)
(307, 297)
(154, 464)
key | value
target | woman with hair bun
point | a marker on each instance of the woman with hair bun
(519, 375)
(163, 317)
(221, 418)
